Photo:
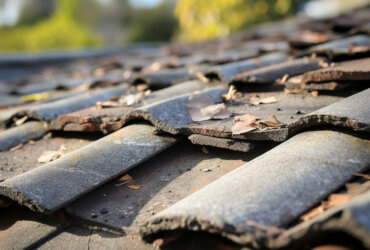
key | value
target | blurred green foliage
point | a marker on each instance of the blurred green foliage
(61, 30)
(155, 24)
(56, 24)
(208, 19)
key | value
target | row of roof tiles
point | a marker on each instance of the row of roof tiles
(311, 76)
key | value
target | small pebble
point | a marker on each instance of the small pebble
(94, 216)
(104, 211)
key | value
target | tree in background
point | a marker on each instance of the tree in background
(61, 30)
(201, 20)
(153, 24)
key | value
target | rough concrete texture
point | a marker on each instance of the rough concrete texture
(351, 218)
(227, 71)
(352, 113)
(49, 111)
(21, 134)
(25, 158)
(276, 72)
(232, 144)
(348, 46)
(55, 184)
(354, 70)
(273, 189)
(164, 180)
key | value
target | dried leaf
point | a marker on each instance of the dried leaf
(355, 188)
(231, 94)
(266, 100)
(202, 108)
(205, 150)
(366, 176)
(335, 200)
(276, 124)
(315, 93)
(17, 147)
(21, 121)
(50, 156)
(284, 79)
(134, 186)
(201, 77)
(108, 104)
(216, 111)
(244, 123)
(292, 91)
(125, 178)
(314, 212)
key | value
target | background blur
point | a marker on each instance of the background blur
(36, 25)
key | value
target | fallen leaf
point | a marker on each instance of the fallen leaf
(202, 108)
(314, 212)
(335, 200)
(292, 91)
(125, 178)
(284, 79)
(216, 111)
(201, 77)
(244, 123)
(276, 124)
(17, 147)
(48, 156)
(21, 121)
(315, 93)
(355, 188)
(231, 94)
(366, 176)
(205, 150)
(266, 100)
(108, 104)
(114, 99)
(134, 186)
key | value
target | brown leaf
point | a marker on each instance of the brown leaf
(335, 200)
(202, 108)
(205, 150)
(314, 212)
(244, 123)
(292, 91)
(355, 188)
(16, 147)
(108, 104)
(315, 93)
(133, 186)
(276, 124)
(48, 156)
(21, 121)
(231, 94)
(366, 176)
(125, 178)
(267, 100)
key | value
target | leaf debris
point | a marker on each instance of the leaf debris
(133, 186)
(267, 100)
(202, 108)
(48, 156)
(244, 123)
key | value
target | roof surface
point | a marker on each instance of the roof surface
(256, 141)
